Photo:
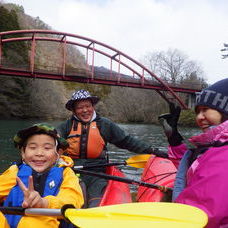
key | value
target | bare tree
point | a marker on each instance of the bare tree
(173, 66)
(193, 81)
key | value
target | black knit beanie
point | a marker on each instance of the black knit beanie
(215, 96)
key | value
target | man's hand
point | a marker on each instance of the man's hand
(169, 123)
(31, 197)
(156, 152)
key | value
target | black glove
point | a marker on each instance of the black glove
(169, 123)
(156, 152)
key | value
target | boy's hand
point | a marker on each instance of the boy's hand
(169, 123)
(31, 197)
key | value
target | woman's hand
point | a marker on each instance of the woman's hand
(169, 123)
(32, 198)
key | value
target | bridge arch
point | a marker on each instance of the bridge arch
(139, 77)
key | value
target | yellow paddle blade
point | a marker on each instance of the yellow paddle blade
(134, 215)
(138, 161)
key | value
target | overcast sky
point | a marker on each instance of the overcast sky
(196, 27)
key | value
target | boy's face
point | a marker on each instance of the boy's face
(40, 152)
(207, 117)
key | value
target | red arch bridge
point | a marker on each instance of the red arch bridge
(117, 69)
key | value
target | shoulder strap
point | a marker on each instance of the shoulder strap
(98, 122)
(202, 149)
(180, 180)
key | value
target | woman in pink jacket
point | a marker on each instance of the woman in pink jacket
(202, 177)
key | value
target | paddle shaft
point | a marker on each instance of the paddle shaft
(123, 179)
(100, 165)
(137, 161)
(31, 211)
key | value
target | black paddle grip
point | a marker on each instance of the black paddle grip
(13, 210)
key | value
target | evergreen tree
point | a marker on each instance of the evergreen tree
(14, 51)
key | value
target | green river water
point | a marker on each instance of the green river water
(152, 134)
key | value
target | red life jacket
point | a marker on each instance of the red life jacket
(85, 141)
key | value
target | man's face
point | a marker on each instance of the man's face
(84, 110)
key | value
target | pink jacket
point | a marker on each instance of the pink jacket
(207, 177)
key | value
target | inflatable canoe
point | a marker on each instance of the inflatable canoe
(116, 192)
(158, 171)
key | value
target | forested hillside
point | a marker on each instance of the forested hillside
(26, 98)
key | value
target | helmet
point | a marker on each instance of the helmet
(22, 135)
(80, 95)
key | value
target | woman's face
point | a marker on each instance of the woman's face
(207, 117)
(84, 110)
(40, 152)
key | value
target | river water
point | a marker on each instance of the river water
(152, 134)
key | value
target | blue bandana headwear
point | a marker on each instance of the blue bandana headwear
(80, 95)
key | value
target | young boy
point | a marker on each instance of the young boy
(201, 179)
(39, 181)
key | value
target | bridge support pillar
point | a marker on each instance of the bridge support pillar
(191, 100)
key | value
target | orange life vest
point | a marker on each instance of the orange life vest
(85, 141)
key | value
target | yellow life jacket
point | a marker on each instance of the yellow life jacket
(85, 141)
(3, 221)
